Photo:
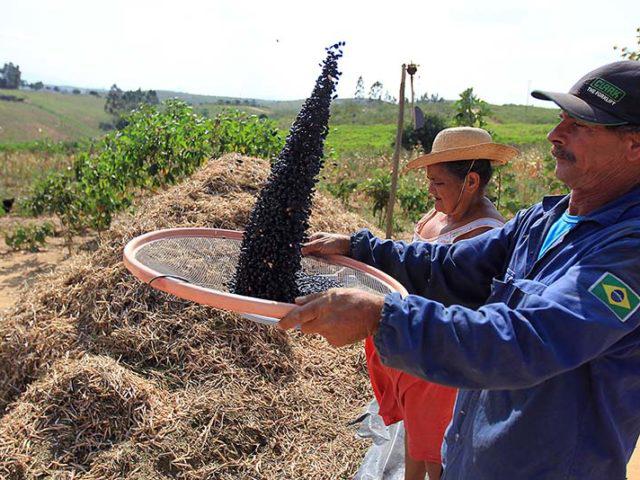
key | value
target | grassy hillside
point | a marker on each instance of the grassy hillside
(50, 115)
(363, 112)
(377, 139)
(357, 125)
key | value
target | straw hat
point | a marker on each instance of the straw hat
(464, 143)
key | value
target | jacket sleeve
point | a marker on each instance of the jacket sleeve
(460, 273)
(542, 330)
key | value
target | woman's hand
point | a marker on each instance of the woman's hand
(341, 315)
(327, 244)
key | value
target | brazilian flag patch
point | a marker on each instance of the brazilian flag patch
(616, 295)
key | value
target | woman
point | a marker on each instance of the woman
(459, 168)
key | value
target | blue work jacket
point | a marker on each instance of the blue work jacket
(545, 352)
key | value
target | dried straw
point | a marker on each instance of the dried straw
(102, 377)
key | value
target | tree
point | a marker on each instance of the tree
(114, 104)
(433, 98)
(375, 92)
(389, 98)
(425, 135)
(630, 54)
(471, 111)
(119, 103)
(359, 94)
(10, 76)
(36, 86)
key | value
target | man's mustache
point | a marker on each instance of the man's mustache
(562, 153)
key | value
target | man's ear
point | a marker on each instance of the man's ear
(473, 182)
(633, 147)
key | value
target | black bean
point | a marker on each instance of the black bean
(308, 284)
(270, 255)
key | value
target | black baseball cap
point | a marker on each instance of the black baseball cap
(609, 95)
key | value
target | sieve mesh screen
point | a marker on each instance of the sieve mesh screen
(211, 263)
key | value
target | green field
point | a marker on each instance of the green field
(349, 139)
(520, 133)
(357, 126)
(50, 115)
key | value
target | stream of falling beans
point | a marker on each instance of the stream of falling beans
(270, 258)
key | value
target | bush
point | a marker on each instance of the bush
(158, 146)
(471, 111)
(29, 237)
(58, 194)
(247, 134)
(413, 198)
(378, 188)
(343, 189)
(425, 135)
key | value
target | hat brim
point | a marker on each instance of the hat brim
(578, 108)
(495, 152)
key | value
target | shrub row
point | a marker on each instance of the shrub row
(160, 145)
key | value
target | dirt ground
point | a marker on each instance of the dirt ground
(18, 269)
(21, 268)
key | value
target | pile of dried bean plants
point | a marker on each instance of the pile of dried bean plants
(102, 377)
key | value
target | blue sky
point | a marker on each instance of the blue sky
(271, 50)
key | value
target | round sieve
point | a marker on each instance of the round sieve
(199, 264)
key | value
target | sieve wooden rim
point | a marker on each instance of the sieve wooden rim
(227, 300)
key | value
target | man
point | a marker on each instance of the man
(536, 323)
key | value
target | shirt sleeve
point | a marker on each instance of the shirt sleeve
(459, 273)
(539, 332)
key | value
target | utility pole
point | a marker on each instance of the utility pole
(396, 156)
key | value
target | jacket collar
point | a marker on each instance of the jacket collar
(606, 215)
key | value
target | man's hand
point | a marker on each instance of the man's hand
(327, 244)
(341, 315)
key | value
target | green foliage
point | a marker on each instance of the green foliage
(247, 134)
(378, 188)
(58, 194)
(10, 76)
(344, 140)
(156, 148)
(520, 133)
(29, 237)
(45, 146)
(430, 98)
(359, 93)
(44, 114)
(522, 115)
(375, 92)
(343, 189)
(73, 117)
(470, 111)
(525, 181)
(413, 198)
(628, 53)
(425, 135)
(120, 103)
